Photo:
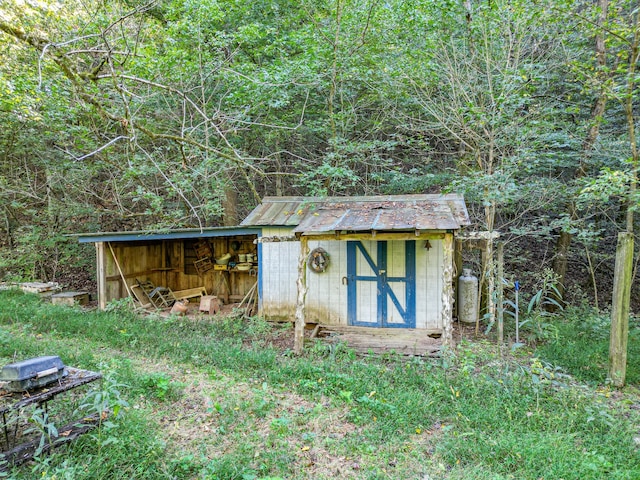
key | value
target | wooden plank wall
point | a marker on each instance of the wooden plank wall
(429, 283)
(278, 270)
(327, 296)
(136, 259)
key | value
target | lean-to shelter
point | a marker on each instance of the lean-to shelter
(182, 261)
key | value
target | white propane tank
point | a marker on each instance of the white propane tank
(467, 297)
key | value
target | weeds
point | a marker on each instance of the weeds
(160, 386)
(123, 306)
(44, 426)
(542, 309)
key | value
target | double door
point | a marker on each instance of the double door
(381, 283)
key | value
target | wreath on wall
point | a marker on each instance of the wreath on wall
(318, 260)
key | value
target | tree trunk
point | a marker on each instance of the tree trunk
(447, 290)
(230, 206)
(301, 283)
(560, 265)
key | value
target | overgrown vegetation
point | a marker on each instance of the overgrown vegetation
(582, 345)
(204, 402)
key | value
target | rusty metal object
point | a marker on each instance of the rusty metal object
(361, 214)
(12, 450)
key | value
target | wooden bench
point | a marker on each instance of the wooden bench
(190, 293)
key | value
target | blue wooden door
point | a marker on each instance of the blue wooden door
(381, 279)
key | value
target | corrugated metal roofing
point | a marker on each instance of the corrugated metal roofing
(377, 213)
(282, 211)
(169, 235)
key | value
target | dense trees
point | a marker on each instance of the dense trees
(159, 114)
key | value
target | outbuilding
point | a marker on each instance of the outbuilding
(352, 264)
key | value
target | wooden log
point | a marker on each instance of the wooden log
(273, 239)
(39, 287)
(363, 343)
(491, 282)
(190, 293)
(315, 331)
(404, 341)
(620, 307)
(301, 283)
(457, 262)
(447, 290)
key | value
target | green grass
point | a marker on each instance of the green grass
(582, 346)
(213, 400)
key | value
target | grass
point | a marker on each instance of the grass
(582, 345)
(214, 400)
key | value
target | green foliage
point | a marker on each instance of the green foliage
(42, 425)
(121, 305)
(227, 101)
(609, 183)
(538, 321)
(160, 386)
(107, 401)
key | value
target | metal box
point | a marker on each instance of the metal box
(33, 373)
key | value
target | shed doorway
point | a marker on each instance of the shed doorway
(381, 279)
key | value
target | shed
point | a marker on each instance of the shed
(384, 262)
(181, 260)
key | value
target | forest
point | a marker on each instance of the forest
(131, 115)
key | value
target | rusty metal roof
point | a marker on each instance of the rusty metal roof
(314, 215)
(279, 211)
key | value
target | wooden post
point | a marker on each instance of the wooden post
(620, 309)
(298, 342)
(457, 259)
(447, 289)
(500, 293)
(483, 277)
(102, 275)
(491, 282)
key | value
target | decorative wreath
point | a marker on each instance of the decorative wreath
(318, 260)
